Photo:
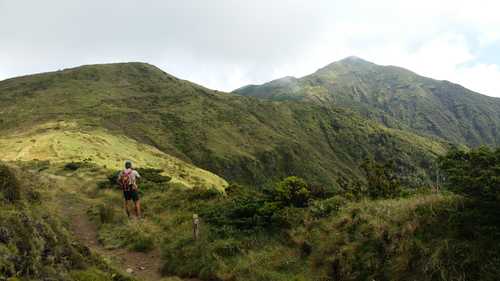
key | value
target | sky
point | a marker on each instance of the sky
(226, 44)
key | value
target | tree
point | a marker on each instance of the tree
(292, 191)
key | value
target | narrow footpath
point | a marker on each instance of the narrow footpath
(142, 266)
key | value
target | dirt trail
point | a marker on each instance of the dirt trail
(145, 266)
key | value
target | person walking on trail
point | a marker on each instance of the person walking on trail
(127, 179)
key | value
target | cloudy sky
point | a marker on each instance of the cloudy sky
(225, 44)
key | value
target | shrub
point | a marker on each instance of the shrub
(113, 178)
(324, 208)
(288, 217)
(153, 175)
(475, 173)
(233, 189)
(200, 193)
(246, 210)
(320, 191)
(382, 179)
(72, 166)
(9, 185)
(292, 191)
(104, 184)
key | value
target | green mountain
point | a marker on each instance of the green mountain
(396, 97)
(242, 139)
(64, 134)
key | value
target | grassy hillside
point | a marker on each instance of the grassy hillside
(241, 139)
(63, 142)
(34, 243)
(395, 97)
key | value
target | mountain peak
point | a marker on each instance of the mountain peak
(353, 60)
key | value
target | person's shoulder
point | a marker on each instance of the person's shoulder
(136, 173)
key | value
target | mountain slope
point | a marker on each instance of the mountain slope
(396, 97)
(243, 139)
(62, 142)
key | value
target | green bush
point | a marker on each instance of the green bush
(289, 217)
(326, 207)
(9, 185)
(292, 191)
(382, 179)
(113, 178)
(475, 173)
(105, 184)
(244, 211)
(72, 166)
(249, 210)
(201, 193)
(153, 175)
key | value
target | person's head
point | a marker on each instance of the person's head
(128, 164)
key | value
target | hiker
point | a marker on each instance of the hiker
(127, 179)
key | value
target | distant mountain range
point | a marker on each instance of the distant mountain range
(255, 141)
(395, 97)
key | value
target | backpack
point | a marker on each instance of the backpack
(125, 180)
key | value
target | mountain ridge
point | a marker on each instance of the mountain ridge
(242, 139)
(395, 97)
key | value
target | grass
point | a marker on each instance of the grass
(35, 244)
(420, 238)
(241, 139)
(431, 236)
(63, 142)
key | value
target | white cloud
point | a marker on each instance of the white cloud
(449, 58)
(225, 44)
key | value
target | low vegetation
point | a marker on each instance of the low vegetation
(34, 244)
(290, 231)
(474, 173)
